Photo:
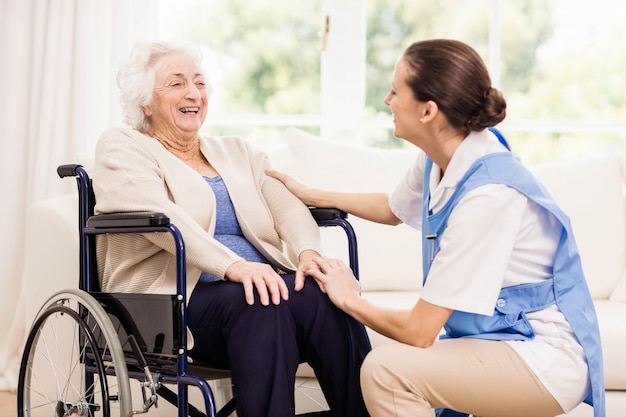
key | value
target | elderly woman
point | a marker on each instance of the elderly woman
(502, 274)
(248, 241)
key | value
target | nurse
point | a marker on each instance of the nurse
(505, 325)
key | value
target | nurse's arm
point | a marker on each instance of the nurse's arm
(419, 327)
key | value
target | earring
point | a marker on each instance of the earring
(421, 119)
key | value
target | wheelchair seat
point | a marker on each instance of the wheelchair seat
(85, 346)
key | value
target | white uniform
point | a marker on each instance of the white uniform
(495, 238)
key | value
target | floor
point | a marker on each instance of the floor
(308, 398)
(8, 405)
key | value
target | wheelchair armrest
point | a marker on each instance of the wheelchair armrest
(327, 213)
(137, 219)
(335, 217)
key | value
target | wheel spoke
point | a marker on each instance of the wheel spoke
(70, 349)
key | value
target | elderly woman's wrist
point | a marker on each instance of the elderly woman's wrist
(307, 254)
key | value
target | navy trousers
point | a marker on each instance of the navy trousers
(263, 345)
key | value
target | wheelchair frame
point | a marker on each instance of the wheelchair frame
(96, 321)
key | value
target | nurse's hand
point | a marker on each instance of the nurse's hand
(336, 279)
(259, 276)
(297, 188)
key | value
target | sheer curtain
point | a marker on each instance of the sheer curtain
(57, 66)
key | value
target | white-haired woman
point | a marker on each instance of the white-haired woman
(248, 241)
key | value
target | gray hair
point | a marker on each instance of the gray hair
(136, 78)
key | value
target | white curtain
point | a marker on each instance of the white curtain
(58, 60)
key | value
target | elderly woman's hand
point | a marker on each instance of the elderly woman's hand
(305, 263)
(260, 276)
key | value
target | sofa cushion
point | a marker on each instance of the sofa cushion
(590, 190)
(611, 319)
(619, 293)
(389, 257)
(51, 260)
(342, 166)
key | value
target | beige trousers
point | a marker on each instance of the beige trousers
(484, 378)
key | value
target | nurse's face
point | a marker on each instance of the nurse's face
(405, 108)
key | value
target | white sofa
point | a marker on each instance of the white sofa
(590, 190)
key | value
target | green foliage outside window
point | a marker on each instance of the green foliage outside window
(560, 61)
(267, 54)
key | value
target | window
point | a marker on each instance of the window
(263, 60)
(559, 63)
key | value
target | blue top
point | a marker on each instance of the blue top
(227, 229)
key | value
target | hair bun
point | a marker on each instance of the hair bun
(493, 110)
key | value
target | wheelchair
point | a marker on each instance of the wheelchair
(85, 347)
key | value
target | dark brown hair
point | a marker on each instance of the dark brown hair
(453, 75)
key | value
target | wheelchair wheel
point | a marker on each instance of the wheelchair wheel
(73, 363)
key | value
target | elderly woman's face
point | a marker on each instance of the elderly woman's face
(179, 99)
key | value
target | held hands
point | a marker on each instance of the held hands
(305, 264)
(333, 276)
(261, 276)
(336, 279)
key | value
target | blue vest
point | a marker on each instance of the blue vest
(567, 288)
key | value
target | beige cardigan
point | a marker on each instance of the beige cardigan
(134, 172)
